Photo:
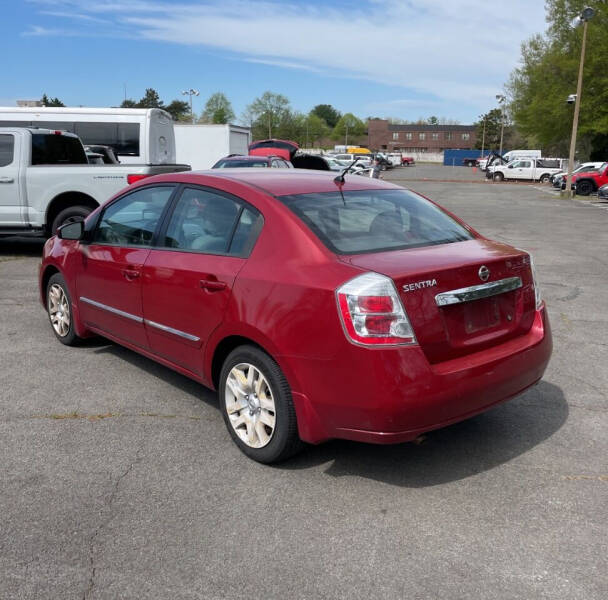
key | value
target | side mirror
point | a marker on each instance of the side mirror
(510, 166)
(71, 231)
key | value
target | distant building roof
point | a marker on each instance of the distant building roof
(425, 127)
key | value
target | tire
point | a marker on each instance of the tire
(269, 434)
(59, 309)
(498, 177)
(545, 178)
(584, 187)
(68, 215)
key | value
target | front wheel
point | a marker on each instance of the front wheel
(498, 177)
(584, 188)
(59, 308)
(256, 403)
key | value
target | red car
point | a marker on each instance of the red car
(318, 307)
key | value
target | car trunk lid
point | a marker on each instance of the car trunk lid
(453, 307)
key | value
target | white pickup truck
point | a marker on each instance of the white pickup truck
(46, 180)
(530, 169)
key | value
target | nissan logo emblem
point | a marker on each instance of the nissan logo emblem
(484, 273)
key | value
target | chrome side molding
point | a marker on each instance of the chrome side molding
(177, 332)
(476, 292)
(120, 313)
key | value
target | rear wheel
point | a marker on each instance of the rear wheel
(584, 187)
(545, 178)
(69, 215)
(498, 177)
(59, 308)
(256, 403)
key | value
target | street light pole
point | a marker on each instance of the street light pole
(191, 93)
(584, 18)
(483, 138)
(501, 100)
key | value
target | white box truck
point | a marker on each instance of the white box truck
(201, 146)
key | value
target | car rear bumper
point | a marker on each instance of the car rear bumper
(393, 395)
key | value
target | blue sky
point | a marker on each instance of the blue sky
(399, 58)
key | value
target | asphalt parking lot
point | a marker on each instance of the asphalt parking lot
(119, 479)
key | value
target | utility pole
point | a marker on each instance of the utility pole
(583, 18)
(502, 101)
(483, 138)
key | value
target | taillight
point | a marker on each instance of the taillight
(136, 177)
(372, 313)
(537, 295)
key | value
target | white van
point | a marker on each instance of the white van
(513, 154)
(137, 135)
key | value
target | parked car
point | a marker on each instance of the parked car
(94, 159)
(591, 181)
(317, 308)
(602, 193)
(47, 180)
(240, 161)
(362, 159)
(559, 179)
(407, 161)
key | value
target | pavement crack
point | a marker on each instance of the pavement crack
(105, 522)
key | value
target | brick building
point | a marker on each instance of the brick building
(419, 138)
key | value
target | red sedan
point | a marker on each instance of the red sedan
(318, 308)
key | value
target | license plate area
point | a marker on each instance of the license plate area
(481, 315)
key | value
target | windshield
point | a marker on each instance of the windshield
(232, 164)
(375, 220)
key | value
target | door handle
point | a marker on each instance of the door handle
(130, 274)
(212, 285)
(6, 180)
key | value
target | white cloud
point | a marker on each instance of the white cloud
(457, 51)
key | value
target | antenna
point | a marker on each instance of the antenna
(340, 178)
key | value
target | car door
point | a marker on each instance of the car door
(109, 277)
(524, 170)
(11, 213)
(188, 277)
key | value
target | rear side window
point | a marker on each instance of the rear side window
(375, 220)
(51, 149)
(210, 223)
(235, 164)
(7, 149)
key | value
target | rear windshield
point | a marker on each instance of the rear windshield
(375, 220)
(226, 164)
(52, 149)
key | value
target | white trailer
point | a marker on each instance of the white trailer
(201, 146)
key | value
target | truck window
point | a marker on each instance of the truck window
(7, 148)
(52, 149)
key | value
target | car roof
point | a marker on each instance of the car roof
(277, 182)
(247, 157)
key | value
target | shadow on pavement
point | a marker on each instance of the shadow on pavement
(452, 453)
(12, 246)
(449, 454)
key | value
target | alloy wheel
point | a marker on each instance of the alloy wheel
(59, 310)
(250, 405)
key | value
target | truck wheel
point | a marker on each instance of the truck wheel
(584, 188)
(545, 178)
(498, 177)
(68, 215)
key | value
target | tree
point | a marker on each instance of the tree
(46, 101)
(218, 109)
(151, 99)
(328, 113)
(128, 103)
(179, 110)
(348, 128)
(492, 122)
(433, 120)
(266, 113)
(548, 74)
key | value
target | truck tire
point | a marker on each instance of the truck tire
(545, 177)
(68, 215)
(498, 177)
(584, 187)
